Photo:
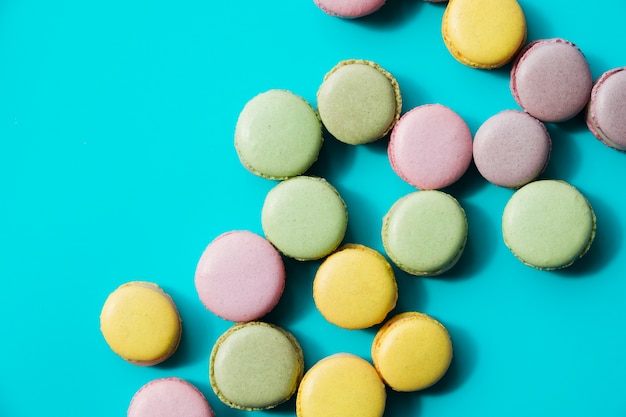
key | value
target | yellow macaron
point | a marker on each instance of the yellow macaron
(411, 351)
(484, 33)
(141, 323)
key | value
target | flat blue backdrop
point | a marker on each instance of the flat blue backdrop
(117, 164)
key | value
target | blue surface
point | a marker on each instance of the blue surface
(117, 164)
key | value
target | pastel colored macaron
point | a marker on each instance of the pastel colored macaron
(342, 384)
(424, 232)
(484, 33)
(412, 351)
(551, 80)
(240, 276)
(255, 366)
(430, 147)
(511, 148)
(606, 113)
(304, 217)
(349, 9)
(359, 101)
(278, 135)
(355, 287)
(548, 224)
(169, 397)
(141, 323)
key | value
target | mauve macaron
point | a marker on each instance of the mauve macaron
(169, 397)
(606, 114)
(511, 148)
(551, 80)
(349, 9)
(430, 147)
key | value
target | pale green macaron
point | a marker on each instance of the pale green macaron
(304, 217)
(548, 224)
(424, 233)
(255, 366)
(359, 101)
(278, 135)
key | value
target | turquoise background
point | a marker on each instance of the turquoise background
(117, 164)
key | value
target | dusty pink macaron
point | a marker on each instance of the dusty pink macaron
(551, 80)
(430, 147)
(511, 148)
(606, 113)
(169, 397)
(349, 9)
(240, 276)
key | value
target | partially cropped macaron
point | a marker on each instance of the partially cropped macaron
(304, 217)
(430, 147)
(551, 80)
(278, 135)
(169, 397)
(342, 384)
(606, 113)
(484, 33)
(349, 9)
(511, 148)
(548, 224)
(141, 323)
(355, 287)
(255, 366)
(240, 276)
(412, 351)
(359, 101)
(424, 233)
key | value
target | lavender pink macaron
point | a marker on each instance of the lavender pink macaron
(240, 276)
(349, 9)
(169, 397)
(430, 147)
(551, 80)
(606, 114)
(511, 148)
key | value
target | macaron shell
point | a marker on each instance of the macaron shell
(484, 33)
(240, 276)
(169, 397)
(355, 287)
(349, 9)
(140, 323)
(606, 115)
(341, 385)
(412, 351)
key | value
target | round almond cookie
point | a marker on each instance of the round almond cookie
(430, 147)
(412, 351)
(141, 323)
(278, 135)
(355, 287)
(169, 397)
(548, 224)
(424, 233)
(349, 9)
(606, 113)
(483, 33)
(240, 276)
(304, 217)
(511, 148)
(342, 384)
(551, 80)
(359, 101)
(255, 366)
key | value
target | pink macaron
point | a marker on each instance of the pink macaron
(169, 397)
(430, 147)
(511, 148)
(551, 80)
(240, 276)
(606, 114)
(349, 9)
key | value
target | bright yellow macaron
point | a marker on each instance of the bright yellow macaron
(141, 323)
(355, 287)
(484, 33)
(411, 351)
